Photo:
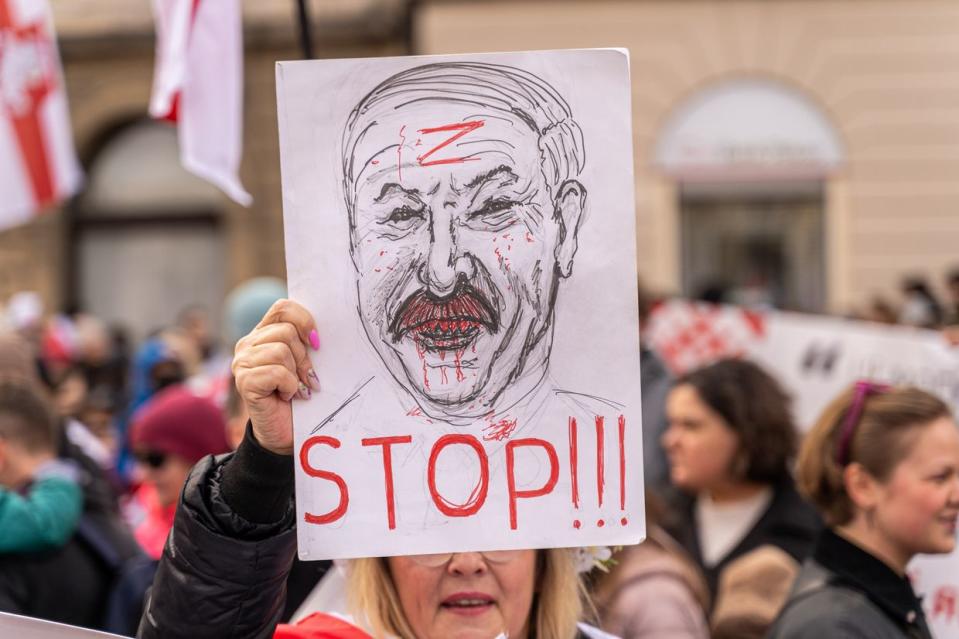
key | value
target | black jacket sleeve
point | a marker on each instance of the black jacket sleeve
(223, 574)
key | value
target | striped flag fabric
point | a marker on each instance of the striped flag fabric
(38, 163)
(198, 84)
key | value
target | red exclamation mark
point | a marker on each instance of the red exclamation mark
(600, 461)
(574, 479)
(622, 468)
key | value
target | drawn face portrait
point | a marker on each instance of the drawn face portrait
(459, 241)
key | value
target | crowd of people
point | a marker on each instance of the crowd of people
(148, 491)
(917, 303)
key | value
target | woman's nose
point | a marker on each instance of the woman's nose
(668, 439)
(467, 563)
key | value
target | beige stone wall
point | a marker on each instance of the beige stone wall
(885, 72)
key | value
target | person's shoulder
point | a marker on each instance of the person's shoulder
(820, 607)
(790, 521)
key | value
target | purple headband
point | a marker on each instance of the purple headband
(862, 390)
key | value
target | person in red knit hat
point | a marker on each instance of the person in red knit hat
(170, 434)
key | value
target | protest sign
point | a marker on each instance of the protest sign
(815, 357)
(30, 628)
(462, 229)
(937, 580)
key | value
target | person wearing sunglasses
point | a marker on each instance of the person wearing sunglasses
(882, 466)
(223, 569)
(173, 431)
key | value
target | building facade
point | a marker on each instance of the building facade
(805, 151)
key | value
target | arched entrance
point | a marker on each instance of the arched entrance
(752, 158)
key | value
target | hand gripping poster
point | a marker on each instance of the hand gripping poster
(462, 229)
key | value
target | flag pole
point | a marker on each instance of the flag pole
(306, 36)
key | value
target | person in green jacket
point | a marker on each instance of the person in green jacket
(46, 516)
(40, 499)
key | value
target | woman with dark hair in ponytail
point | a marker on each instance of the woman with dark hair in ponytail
(731, 442)
(882, 466)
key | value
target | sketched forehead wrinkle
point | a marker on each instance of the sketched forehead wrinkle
(491, 87)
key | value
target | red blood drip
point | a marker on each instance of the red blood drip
(576, 524)
(600, 523)
(420, 351)
(624, 521)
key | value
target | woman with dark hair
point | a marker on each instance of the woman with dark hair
(882, 466)
(730, 443)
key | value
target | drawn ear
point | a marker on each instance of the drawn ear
(569, 207)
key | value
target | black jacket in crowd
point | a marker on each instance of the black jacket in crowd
(226, 564)
(843, 592)
(71, 584)
(789, 523)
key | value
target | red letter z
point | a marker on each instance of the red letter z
(463, 128)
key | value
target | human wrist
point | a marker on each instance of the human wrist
(257, 483)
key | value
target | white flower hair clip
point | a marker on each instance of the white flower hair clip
(598, 557)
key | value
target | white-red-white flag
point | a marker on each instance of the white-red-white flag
(198, 83)
(38, 164)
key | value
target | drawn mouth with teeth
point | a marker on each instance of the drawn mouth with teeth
(447, 324)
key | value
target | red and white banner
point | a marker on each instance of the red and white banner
(815, 357)
(198, 84)
(38, 164)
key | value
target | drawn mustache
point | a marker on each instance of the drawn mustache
(466, 306)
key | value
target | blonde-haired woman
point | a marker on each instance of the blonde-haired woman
(882, 466)
(224, 568)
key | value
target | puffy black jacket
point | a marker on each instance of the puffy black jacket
(221, 575)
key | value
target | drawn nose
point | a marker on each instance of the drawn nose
(444, 263)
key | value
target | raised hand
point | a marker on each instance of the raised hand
(271, 366)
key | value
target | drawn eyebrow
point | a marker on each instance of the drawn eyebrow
(489, 175)
(392, 187)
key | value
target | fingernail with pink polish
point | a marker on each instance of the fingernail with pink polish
(314, 380)
(315, 340)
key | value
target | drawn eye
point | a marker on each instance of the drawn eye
(497, 212)
(404, 216)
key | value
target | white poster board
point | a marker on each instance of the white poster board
(30, 628)
(815, 357)
(462, 229)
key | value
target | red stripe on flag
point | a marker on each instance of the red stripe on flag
(27, 124)
(173, 115)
